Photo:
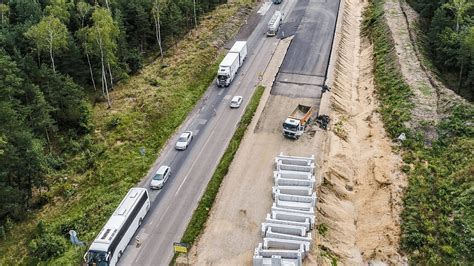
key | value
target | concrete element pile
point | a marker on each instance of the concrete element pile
(287, 229)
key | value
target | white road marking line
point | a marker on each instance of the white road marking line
(182, 183)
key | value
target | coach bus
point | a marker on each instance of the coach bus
(112, 240)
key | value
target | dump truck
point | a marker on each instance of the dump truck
(296, 122)
(231, 63)
(274, 23)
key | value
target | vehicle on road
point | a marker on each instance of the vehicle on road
(296, 122)
(274, 23)
(276, 2)
(236, 102)
(160, 177)
(112, 240)
(184, 140)
(231, 63)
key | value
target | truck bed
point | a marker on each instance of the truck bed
(300, 112)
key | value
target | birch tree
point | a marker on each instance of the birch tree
(102, 37)
(195, 17)
(59, 9)
(83, 9)
(50, 34)
(460, 9)
(4, 11)
(156, 18)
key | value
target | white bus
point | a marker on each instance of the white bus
(112, 240)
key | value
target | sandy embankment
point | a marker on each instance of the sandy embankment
(360, 201)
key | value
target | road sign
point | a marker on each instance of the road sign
(180, 247)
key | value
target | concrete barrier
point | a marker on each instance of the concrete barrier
(291, 167)
(294, 161)
(306, 224)
(297, 199)
(293, 175)
(308, 212)
(297, 158)
(277, 243)
(276, 261)
(286, 230)
(274, 257)
(295, 182)
(296, 230)
(292, 190)
(294, 217)
(271, 234)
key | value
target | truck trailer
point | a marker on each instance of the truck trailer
(274, 23)
(231, 63)
(296, 122)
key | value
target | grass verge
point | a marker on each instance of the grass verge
(146, 110)
(438, 218)
(201, 214)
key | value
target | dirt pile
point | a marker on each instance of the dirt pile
(360, 200)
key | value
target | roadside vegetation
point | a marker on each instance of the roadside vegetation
(447, 39)
(68, 152)
(201, 214)
(438, 219)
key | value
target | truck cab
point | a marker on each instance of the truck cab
(295, 124)
(292, 128)
(223, 77)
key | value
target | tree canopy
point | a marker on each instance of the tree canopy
(53, 56)
(449, 24)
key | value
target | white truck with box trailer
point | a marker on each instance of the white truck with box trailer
(231, 63)
(274, 23)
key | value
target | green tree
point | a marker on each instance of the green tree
(59, 9)
(155, 12)
(22, 164)
(4, 11)
(102, 38)
(25, 11)
(83, 9)
(50, 34)
(460, 10)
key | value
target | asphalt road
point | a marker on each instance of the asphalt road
(213, 123)
(310, 49)
(304, 69)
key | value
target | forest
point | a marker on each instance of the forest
(58, 58)
(449, 39)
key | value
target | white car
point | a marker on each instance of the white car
(160, 177)
(184, 140)
(235, 102)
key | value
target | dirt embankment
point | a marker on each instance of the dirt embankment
(432, 100)
(361, 198)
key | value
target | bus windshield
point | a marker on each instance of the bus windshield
(98, 258)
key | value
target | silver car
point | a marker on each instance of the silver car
(236, 101)
(160, 177)
(184, 140)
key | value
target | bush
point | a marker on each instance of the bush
(47, 246)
